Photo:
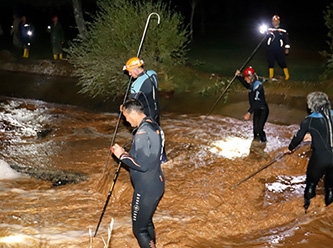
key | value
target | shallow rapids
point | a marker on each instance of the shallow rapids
(201, 206)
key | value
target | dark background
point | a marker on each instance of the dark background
(303, 21)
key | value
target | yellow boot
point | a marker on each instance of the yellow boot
(60, 56)
(271, 72)
(25, 53)
(286, 73)
(55, 56)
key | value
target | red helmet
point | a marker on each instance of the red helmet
(276, 18)
(249, 71)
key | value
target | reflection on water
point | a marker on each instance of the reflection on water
(200, 207)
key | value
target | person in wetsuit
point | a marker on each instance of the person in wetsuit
(144, 164)
(319, 125)
(257, 100)
(145, 89)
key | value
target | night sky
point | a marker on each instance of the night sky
(217, 16)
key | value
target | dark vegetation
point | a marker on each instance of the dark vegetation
(215, 54)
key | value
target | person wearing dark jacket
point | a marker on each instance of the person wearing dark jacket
(257, 100)
(27, 32)
(319, 126)
(57, 38)
(144, 164)
(278, 46)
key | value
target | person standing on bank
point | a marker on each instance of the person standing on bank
(257, 100)
(57, 38)
(319, 125)
(27, 32)
(278, 47)
(15, 32)
(144, 164)
(145, 89)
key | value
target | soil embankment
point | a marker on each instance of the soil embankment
(40, 66)
(286, 99)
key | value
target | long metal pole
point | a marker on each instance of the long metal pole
(232, 80)
(129, 85)
(108, 197)
(116, 129)
(260, 169)
(278, 157)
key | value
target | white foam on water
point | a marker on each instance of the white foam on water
(36, 237)
(7, 172)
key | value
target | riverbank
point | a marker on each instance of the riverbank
(49, 80)
(9, 62)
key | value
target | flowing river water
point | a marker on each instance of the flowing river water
(56, 174)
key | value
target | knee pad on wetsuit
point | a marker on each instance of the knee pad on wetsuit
(310, 191)
(328, 196)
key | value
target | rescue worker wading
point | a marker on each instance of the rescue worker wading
(319, 125)
(257, 100)
(277, 47)
(145, 89)
(144, 164)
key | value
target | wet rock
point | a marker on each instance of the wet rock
(43, 133)
(56, 177)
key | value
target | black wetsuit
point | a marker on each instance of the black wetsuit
(258, 107)
(144, 163)
(144, 89)
(321, 161)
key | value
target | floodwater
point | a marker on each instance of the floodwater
(56, 174)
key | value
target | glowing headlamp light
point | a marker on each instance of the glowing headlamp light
(263, 29)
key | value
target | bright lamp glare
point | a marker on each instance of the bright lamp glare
(232, 147)
(263, 28)
(12, 239)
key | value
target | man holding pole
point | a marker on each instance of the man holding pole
(257, 100)
(145, 89)
(319, 125)
(144, 164)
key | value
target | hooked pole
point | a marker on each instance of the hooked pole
(129, 84)
(278, 157)
(260, 169)
(232, 80)
(116, 129)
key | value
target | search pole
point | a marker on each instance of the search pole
(129, 85)
(116, 129)
(232, 80)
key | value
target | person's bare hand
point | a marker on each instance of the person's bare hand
(117, 150)
(286, 151)
(307, 137)
(247, 116)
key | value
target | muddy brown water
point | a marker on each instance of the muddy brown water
(201, 207)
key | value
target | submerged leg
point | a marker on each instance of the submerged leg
(310, 192)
